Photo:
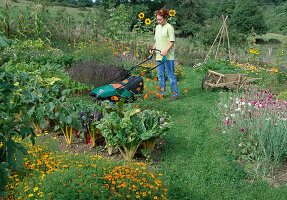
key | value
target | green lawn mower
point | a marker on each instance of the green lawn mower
(128, 87)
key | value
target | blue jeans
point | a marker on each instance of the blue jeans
(167, 67)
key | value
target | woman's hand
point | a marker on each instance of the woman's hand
(151, 52)
(163, 53)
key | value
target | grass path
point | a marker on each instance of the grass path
(195, 158)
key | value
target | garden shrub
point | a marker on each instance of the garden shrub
(34, 51)
(219, 65)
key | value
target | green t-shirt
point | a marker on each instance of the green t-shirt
(164, 34)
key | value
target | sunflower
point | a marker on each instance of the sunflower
(141, 15)
(172, 13)
(147, 21)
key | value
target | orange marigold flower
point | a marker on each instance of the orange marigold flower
(136, 106)
(157, 87)
(179, 121)
(138, 89)
(145, 96)
(149, 93)
(65, 185)
(115, 98)
(147, 79)
(143, 74)
(155, 197)
(155, 79)
(185, 91)
(162, 89)
(141, 83)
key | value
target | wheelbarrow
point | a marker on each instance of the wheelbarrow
(231, 81)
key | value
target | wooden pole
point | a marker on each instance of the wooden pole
(223, 43)
(228, 42)
(219, 43)
(215, 40)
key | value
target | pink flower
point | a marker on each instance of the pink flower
(242, 130)
(234, 122)
(215, 131)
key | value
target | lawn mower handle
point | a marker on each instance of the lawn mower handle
(151, 55)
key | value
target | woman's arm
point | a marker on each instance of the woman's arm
(151, 51)
(171, 44)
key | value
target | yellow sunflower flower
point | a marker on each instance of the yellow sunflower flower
(147, 21)
(141, 15)
(172, 12)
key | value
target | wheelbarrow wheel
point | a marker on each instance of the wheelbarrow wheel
(206, 87)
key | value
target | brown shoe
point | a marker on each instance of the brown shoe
(174, 98)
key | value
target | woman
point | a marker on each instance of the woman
(164, 41)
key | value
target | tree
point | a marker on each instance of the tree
(248, 17)
(192, 15)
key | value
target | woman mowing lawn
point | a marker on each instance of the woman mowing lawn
(164, 41)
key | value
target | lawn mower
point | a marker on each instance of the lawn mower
(128, 87)
(125, 89)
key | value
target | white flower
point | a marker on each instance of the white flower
(225, 106)
(232, 115)
(243, 103)
(237, 102)
(249, 104)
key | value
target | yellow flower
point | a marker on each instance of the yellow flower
(141, 15)
(172, 12)
(35, 189)
(147, 21)
(30, 195)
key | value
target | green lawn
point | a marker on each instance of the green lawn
(195, 159)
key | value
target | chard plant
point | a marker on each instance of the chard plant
(126, 127)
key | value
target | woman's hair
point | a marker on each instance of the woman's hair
(163, 12)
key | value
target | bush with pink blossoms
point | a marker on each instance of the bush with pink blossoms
(255, 124)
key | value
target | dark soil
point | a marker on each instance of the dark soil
(79, 146)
